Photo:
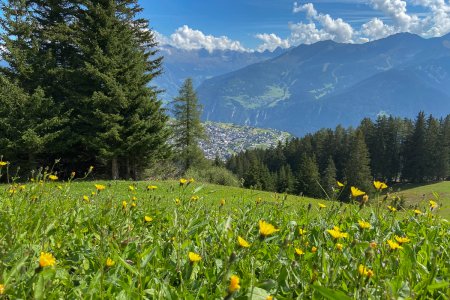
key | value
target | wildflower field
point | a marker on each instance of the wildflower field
(185, 240)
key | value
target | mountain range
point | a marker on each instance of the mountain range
(200, 65)
(327, 83)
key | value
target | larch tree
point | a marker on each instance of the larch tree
(188, 130)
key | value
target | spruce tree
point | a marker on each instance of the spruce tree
(308, 178)
(414, 152)
(188, 130)
(328, 179)
(357, 167)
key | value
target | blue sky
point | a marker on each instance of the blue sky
(249, 25)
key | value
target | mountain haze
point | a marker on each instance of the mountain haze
(327, 83)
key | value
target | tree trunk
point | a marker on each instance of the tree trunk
(128, 169)
(114, 168)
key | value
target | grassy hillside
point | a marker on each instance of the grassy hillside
(185, 240)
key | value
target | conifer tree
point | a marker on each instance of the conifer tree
(328, 179)
(188, 130)
(357, 168)
(308, 178)
(414, 152)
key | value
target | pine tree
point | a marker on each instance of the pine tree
(328, 180)
(308, 178)
(188, 130)
(414, 152)
(357, 168)
(127, 126)
(29, 124)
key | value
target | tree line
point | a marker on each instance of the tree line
(389, 149)
(77, 87)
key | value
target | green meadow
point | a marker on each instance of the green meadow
(188, 240)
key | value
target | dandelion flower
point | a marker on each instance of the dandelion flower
(339, 246)
(340, 184)
(418, 212)
(379, 185)
(100, 187)
(110, 262)
(234, 284)
(402, 240)
(194, 257)
(46, 260)
(3, 163)
(364, 225)
(269, 297)
(132, 188)
(53, 177)
(373, 245)
(393, 245)
(183, 181)
(266, 229)
(194, 198)
(391, 208)
(321, 205)
(302, 231)
(242, 242)
(222, 202)
(364, 271)
(124, 204)
(148, 219)
(86, 198)
(314, 249)
(152, 187)
(192, 180)
(433, 204)
(356, 192)
(299, 251)
(365, 198)
(336, 233)
(2, 289)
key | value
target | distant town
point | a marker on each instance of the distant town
(225, 139)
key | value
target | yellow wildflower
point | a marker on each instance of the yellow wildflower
(148, 219)
(191, 180)
(110, 262)
(86, 198)
(177, 201)
(266, 229)
(433, 204)
(336, 233)
(133, 204)
(53, 177)
(356, 192)
(321, 205)
(340, 184)
(132, 188)
(373, 245)
(242, 242)
(3, 163)
(100, 187)
(222, 202)
(152, 187)
(418, 212)
(183, 181)
(269, 297)
(124, 204)
(365, 271)
(299, 251)
(379, 185)
(2, 289)
(46, 260)
(391, 208)
(365, 198)
(339, 246)
(194, 257)
(234, 284)
(393, 245)
(314, 249)
(364, 225)
(402, 240)
(194, 198)
(301, 231)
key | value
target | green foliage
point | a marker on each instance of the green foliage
(213, 174)
(149, 257)
(188, 130)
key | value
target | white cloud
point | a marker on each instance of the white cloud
(376, 29)
(302, 33)
(271, 42)
(337, 29)
(396, 10)
(191, 39)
